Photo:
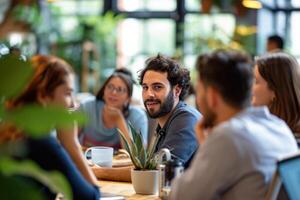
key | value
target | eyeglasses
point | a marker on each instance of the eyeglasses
(118, 90)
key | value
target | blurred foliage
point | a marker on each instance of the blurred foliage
(15, 73)
(101, 30)
(242, 39)
(52, 117)
(13, 187)
(40, 31)
(221, 5)
(245, 38)
(54, 180)
(31, 16)
(34, 121)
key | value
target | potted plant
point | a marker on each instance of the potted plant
(144, 176)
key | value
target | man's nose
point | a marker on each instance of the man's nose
(150, 93)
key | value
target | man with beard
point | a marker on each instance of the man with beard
(165, 84)
(240, 144)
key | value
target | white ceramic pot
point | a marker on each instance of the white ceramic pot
(145, 182)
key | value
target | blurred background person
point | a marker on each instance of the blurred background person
(275, 43)
(277, 85)
(111, 110)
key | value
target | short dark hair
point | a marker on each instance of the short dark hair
(177, 75)
(277, 40)
(229, 72)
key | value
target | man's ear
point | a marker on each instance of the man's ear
(212, 97)
(177, 91)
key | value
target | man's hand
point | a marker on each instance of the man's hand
(113, 113)
(201, 132)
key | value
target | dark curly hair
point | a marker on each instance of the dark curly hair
(177, 75)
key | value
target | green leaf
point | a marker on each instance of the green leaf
(137, 138)
(13, 149)
(128, 147)
(138, 146)
(37, 120)
(126, 143)
(138, 163)
(14, 75)
(13, 187)
(1, 110)
(143, 157)
(53, 180)
(153, 145)
(152, 164)
(134, 149)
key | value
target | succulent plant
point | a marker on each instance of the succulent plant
(143, 158)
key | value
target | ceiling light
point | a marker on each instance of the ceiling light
(253, 4)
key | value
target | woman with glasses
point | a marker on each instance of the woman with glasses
(111, 110)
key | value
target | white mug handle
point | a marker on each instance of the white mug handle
(86, 151)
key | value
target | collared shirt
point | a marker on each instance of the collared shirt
(238, 159)
(178, 134)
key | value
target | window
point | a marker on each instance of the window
(193, 5)
(69, 7)
(295, 32)
(150, 5)
(296, 3)
(138, 39)
(203, 33)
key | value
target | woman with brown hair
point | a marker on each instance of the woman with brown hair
(53, 84)
(112, 110)
(277, 85)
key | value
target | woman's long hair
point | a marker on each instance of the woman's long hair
(282, 73)
(127, 78)
(49, 73)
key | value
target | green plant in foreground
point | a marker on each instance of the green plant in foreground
(35, 121)
(142, 158)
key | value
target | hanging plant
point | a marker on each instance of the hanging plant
(206, 5)
(235, 5)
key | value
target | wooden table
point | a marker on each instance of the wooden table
(124, 189)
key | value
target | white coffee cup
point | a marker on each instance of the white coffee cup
(102, 156)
